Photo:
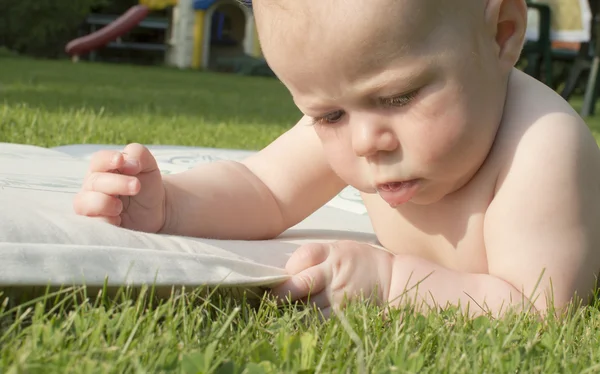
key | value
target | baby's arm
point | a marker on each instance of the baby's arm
(541, 230)
(256, 199)
(544, 218)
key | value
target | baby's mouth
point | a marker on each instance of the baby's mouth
(397, 193)
(387, 187)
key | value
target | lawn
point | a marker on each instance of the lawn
(54, 103)
(50, 103)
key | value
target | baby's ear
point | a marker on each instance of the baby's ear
(508, 21)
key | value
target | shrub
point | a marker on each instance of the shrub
(41, 28)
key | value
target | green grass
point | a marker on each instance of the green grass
(50, 103)
(54, 103)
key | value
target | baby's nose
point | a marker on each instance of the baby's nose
(369, 139)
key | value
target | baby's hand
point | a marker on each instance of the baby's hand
(124, 189)
(329, 275)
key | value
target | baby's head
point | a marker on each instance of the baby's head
(399, 89)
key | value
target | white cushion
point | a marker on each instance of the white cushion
(43, 243)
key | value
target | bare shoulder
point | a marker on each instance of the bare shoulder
(543, 135)
(541, 224)
(295, 171)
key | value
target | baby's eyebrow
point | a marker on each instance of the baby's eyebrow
(396, 83)
(312, 105)
(392, 79)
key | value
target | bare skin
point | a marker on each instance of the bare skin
(477, 178)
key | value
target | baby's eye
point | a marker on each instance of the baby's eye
(399, 100)
(330, 118)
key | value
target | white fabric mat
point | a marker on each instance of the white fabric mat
(42, 242)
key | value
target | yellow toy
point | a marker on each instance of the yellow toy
(204, 30)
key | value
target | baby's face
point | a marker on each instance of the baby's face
(397, 92)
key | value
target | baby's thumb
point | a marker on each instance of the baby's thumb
(307, 256)
(138, 159)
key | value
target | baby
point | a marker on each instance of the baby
(482, 184)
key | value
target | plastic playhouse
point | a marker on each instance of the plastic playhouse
(201, 34)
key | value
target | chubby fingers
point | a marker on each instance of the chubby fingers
(115, 173)
(97, 204)
(139, 159)
(111, 184)
(307, 256)
(134, 159)
(309, 275)
(305, 285)
(107, 174)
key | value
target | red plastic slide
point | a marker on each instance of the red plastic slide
(110, 32)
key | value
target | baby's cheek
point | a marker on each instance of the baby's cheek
(344, 163)
(441, 142)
